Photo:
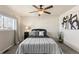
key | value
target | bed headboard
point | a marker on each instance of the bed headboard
(45, 31)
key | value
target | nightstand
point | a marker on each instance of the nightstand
(26, 34)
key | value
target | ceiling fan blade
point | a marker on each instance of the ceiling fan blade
(41, 6)
(35, 7)
(33, 11)
(47, 12)
(49, 7)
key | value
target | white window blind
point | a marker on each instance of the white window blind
(7, 23)
(1, 22)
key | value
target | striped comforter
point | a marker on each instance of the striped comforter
(38, 46)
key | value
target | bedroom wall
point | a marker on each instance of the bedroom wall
(48, 22)
(4, 10)
(71, 37)
(6, 39)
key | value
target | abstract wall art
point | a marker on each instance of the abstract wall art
(70, 22)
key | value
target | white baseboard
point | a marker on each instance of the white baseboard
(6, 49)
(71, 46)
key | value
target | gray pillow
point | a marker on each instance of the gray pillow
(33, 33)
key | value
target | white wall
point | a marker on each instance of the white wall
(49, 22)
(6, 39)
(71, 37)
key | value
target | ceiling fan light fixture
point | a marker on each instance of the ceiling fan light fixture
(40, 12)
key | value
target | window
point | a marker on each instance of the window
(7, 23)
(1, 22)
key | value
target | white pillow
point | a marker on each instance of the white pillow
(41, 33)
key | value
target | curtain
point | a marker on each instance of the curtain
(19, 32)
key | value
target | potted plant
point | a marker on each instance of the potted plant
(60, 38)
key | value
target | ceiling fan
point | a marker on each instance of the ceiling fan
(40, 10)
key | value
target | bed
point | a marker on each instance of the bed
(38, 42)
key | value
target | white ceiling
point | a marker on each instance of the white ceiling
(23, 10)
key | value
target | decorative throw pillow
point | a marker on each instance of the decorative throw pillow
(41, 33)
(33, 33)
(36, 33)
